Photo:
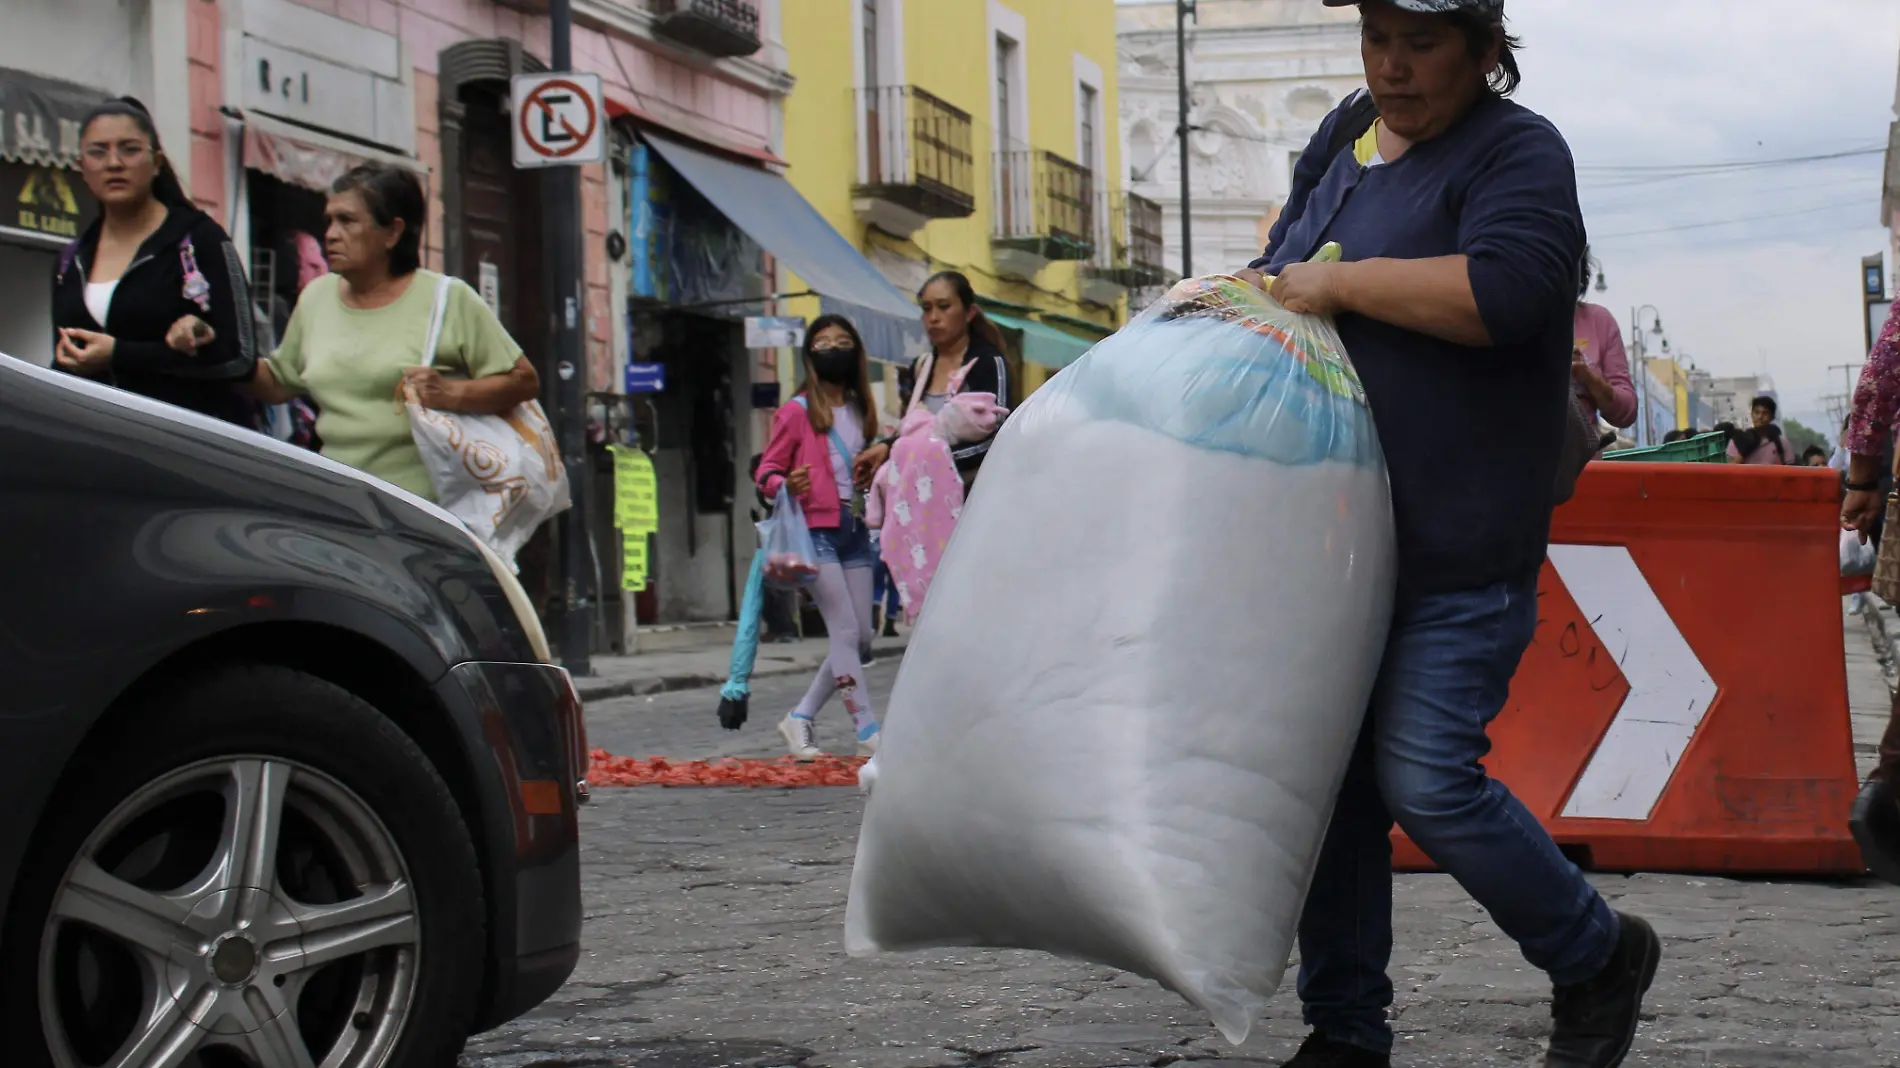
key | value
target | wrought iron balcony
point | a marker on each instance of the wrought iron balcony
(1128, 253)
(1045, 207)
(915, 161)
(724, 28)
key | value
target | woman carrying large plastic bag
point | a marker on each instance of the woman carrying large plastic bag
(816, 442)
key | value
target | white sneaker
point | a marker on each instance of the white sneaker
(868, 747)
(798, 739)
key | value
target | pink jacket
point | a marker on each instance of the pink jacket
(1603, 346)
(794, 444)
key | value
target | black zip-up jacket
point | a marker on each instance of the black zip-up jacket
(990, 374)
(152, 295)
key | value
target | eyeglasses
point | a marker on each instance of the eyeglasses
(126, 151)
(833, 346)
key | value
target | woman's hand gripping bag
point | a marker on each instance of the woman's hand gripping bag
(1128, 705)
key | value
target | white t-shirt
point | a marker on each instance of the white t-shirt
(99, 299)
(850, 430)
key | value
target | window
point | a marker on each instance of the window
(872, 77)
(1005, 65)
(1085, 106)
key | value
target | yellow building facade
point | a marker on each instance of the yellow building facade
(978, 136)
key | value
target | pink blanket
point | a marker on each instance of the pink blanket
(917, 496)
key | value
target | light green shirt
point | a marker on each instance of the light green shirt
(350, 360)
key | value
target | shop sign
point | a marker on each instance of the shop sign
(646, 378)
(327, 95)
(40, 118)
(773, 332)
(488, 275)
(44, 200)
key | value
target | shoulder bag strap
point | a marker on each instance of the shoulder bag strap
(920, 380)
(442, 285)
(1357, 117)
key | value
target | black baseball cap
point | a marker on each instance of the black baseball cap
(1435, 7)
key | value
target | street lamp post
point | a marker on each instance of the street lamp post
(1183, 11)
(1638, 342)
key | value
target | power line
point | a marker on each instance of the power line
(1735, 221)
(1732, 165)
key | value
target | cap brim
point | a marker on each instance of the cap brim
(1423, 7)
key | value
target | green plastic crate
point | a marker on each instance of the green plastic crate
(1709, 448)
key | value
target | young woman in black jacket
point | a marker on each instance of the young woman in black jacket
(960, 334)
(152, 297)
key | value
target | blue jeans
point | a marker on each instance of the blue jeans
(1447, 669)
(848, 544)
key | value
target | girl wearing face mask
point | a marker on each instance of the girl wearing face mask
(816, 440)
(152, 297)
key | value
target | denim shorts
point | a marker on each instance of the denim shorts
(847, 545)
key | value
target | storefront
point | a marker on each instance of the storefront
(714, 236)
(314, 96)
(45, 204)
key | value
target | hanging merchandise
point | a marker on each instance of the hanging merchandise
(636, 511)
(1126, 713)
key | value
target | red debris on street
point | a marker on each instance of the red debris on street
(605, 769)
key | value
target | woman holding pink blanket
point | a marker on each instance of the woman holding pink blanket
(954, 403)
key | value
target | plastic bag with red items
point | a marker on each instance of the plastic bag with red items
(791, 561)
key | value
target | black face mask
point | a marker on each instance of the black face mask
(836, 366)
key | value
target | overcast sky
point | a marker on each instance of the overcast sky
(1663, 82)
(1656, 83)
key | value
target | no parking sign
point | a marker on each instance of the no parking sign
(558, 119)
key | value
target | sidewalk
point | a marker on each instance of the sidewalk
(1873, 655)
(688, 658)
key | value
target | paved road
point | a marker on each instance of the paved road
(713, 940)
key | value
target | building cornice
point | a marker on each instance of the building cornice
(768, 76)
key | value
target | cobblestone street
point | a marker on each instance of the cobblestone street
(714, 924)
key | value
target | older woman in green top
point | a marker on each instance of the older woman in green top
(357, 335)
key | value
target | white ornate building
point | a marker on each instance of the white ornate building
(1261, 76)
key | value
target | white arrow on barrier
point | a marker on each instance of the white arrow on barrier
(1670, 690)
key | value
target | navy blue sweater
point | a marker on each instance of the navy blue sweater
(1471, 435)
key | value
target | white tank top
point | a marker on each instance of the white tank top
(99, 299)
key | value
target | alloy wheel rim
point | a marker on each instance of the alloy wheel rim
(240, 911)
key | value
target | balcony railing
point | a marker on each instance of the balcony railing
(916, 152)
(1129, 249)
(724, 28)
(1044, 204)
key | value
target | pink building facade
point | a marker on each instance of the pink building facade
(286, 94)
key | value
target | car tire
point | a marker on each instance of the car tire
(340, 771)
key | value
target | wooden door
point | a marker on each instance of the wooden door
(502, 256)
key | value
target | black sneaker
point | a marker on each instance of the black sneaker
(1318, 1051)
(1595, 1020)
(1875, 821)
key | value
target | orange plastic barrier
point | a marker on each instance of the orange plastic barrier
(1683, 707)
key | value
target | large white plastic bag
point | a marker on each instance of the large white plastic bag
(1126, 710)
(502, 475)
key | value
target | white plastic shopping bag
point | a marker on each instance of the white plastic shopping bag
(500, 474)
(1129, 702)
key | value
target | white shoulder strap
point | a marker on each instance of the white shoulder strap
(442, 285)
(920, 379)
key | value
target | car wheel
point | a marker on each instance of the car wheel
(258, 870)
